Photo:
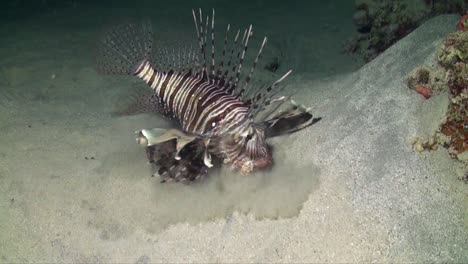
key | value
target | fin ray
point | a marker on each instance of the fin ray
(124, 47)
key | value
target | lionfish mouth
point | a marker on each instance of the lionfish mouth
(247, 166)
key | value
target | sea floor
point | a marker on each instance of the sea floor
(75, 187)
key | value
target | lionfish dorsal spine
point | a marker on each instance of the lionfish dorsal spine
(231, 83)
(231, 58)
(242, 57)
(230, 78)
(241, 91)
(219, 72)
(212, 67)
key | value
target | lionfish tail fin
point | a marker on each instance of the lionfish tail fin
(125, 48)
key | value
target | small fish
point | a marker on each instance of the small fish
(218, 110)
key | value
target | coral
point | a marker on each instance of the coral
(420, 76)
(382, 23)
(424, 91)
(451, 77)
(455, 127)
(464, 177)
(438, 81)
(422, 143)
(427, 82)
(458, 78)
(454, 50)
(453, 58)
(446, 6)
(462, 24)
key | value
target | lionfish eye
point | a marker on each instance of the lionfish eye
(248, 137)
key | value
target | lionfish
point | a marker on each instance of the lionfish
(217, 110)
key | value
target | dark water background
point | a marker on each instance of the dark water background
(323, 25)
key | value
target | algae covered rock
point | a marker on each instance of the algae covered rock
(419, 76)
(381, 23)
(454, 50)
(449, 76)
(453, 56)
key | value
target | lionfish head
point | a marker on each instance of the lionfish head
(245, 146)
(248, 150)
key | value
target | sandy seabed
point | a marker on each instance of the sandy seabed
(76, 188)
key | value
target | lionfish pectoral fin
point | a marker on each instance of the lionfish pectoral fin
(206, 154)
(124, 48)
(289, 124)
(182, 141)
(138, 101)
(294, 118)
(207, 159)
(155, 136)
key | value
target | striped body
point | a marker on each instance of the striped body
(199, 105)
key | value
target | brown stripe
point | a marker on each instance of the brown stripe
(206, 102)
(218, 118)
(219, 104)
(140, 68)
(215, 119)
(151, 80)
(200, 106)
(164, 84)
(176, 91)
(189, 99)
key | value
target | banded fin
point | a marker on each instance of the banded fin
(289, 122)
(246, 83)
(227, 74)
(190, 167)
(261, 97)
(181, 58)
(125, 47)
(292, 118)
(156, 136)
(139, 101)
